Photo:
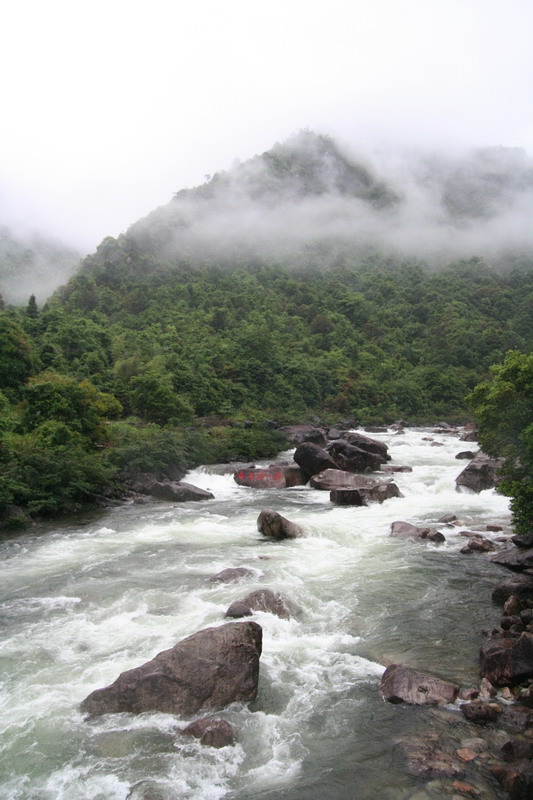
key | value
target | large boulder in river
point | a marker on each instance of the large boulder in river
(338, 478)
(351, 458)
(207, 670)
(270, 523)
(178, 492)
(480, 474)
(507, 658)
(313, 459)
(401, 684)
(261, 477)
(514, 558)
(296, 434)
(366, 443)
(344, 496)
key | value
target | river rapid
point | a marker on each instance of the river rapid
(86, 598)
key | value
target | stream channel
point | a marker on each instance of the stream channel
(85, 598)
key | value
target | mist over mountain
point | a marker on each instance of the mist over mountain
(33, 263)
(308, 190)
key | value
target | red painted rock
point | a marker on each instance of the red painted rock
(261, 478)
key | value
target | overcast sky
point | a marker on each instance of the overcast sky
(108, 108)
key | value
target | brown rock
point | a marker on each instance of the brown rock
(232, 574)
(401, 684)
(207, 670)
(178, 492)
(404, 530)
(427, 757)
(330, 479)
(359, 497)
(514, 558)
(466, 755)
(260, 600)
(313, 459)
(516, 779)
(352, 458)
(481, 473)
(394, 468)
(270, 523)
(507, 658)
(480, 713)
(211, 731)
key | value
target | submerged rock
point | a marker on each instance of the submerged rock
(232, 574)
(207, 670)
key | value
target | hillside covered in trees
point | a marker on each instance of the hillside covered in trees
(262, 298)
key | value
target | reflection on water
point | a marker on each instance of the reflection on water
(86, 599)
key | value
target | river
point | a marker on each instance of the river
(86, 598)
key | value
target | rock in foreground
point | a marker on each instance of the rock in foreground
(401, 684)
(207, 670)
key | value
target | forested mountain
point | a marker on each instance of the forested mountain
(263, 296)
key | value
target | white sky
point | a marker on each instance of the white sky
(109, 107)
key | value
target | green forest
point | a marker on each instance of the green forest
(159, 355)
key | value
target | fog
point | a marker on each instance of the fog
(310, 190)
(111, 107)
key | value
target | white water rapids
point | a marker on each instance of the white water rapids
(84, 599)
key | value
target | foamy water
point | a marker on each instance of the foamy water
(80, 603)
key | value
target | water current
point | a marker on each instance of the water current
(89, 597)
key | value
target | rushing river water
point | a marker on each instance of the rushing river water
(85, 599)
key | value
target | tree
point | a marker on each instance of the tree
(503, 408)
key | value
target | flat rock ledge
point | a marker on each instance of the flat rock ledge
(205, 671)
(401, 684)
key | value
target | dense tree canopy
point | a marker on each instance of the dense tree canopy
(503, 407)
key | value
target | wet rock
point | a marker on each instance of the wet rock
(261, 478)
(521, 586)
(516, 779)
(260, 600)
(447, 518)
(493, 528)
(507, 658)
(366, 443)
(351, 458)
(478, 544)
(211, 731)
(395, 468)
(480, 713)
(313, 459)
(480, 474)
(178, 492)
(517, 718)
(239, 609)
(207, 670)
(294, 476)
(270, 523)
(514, 558)
(427, 757)
(517, 749)
(524, 540)
(337, 478)
(297, 434)
(466, 454)
(512, 606)
(362, 496)
(466, 755)
(401, 684)
(404, 530)
(232, 574)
